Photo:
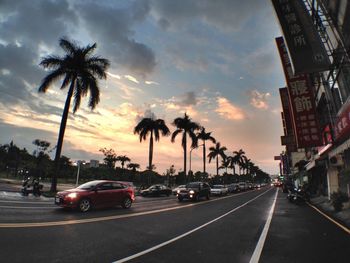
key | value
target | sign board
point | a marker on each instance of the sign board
(305, 124)
(304, 43)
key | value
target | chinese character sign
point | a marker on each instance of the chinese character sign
(304, 43)
(305, 125)
(342, 125)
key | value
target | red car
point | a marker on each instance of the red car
(97, 194)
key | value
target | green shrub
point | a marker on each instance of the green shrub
(338, 198)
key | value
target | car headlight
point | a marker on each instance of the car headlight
(178, 191)
(191, 192)
(72, 195)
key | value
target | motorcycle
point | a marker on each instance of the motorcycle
(298, 195)
(33, 187)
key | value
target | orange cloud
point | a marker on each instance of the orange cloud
(229, 111)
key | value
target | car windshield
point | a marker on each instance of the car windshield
(88, 185)
(192, 185)
(218, 186)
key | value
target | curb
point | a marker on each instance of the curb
(331, 215)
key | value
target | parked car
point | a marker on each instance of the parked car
(174, 191)
(156, 190)
(96, 194)
(250, 186)
(219, 189)
(243, 186)
(233, 188)
(194, 191)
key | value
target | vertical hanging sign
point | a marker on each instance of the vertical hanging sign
(306, 49)
(306, 128)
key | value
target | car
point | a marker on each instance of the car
(96, 194)
(174, 191)
(243, 186)
(156, 190)
(219, 189)
(232, 188)
(194, 191)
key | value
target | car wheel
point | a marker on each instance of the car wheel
(180, 199)
(208, 196)
(127, 202)
(84, 205)
(197, 197)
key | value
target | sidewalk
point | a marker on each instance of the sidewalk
(325, 205)
(15, 185)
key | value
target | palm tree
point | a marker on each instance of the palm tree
(205, 136)
(215, 152)
(238, 158)
(185, 126)
(122, 159)
(79, 70)
(155, 128)
(133, 166)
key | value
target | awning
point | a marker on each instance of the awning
(310, 165)
(341, 148)
(325, 149)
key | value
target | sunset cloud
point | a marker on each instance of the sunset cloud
(229, 111)
(131, 78)
(259, 100)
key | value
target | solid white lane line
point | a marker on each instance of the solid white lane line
(259, 246)
(187, 233)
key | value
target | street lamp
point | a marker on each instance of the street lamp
(191, 154)
(78, 164)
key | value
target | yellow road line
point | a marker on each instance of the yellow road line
(105, 218)
(347, 230)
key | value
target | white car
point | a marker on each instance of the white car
(219, 189)
(183, 186)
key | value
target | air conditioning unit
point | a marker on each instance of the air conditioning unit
(336, 160)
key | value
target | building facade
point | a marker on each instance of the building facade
(318, 30)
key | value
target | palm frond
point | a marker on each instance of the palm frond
(49, 79)
(69, 47)
(51, 62)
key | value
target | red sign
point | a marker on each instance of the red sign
(289, 139)
(305, 124)
(342, 124)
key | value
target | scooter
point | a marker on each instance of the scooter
(298, 195)
(36, 187)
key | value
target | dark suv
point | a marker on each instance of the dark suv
(194, 191)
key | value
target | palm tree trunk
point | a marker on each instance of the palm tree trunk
(204, 157)
(150, 155)
(185, 155)
(217, 165)
(61, 136)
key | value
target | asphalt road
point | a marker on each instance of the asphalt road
(225, 229)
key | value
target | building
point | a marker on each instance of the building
(317, 36)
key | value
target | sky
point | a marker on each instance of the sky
(215, 60)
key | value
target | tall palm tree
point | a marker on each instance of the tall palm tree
(123, 159)
(155, 128)
(79, 70)
(215, 152)
(185, 126)
(238, 158)
(205, 136)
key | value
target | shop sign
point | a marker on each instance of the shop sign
(304, 43)
(305, 124)
(342, 125)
